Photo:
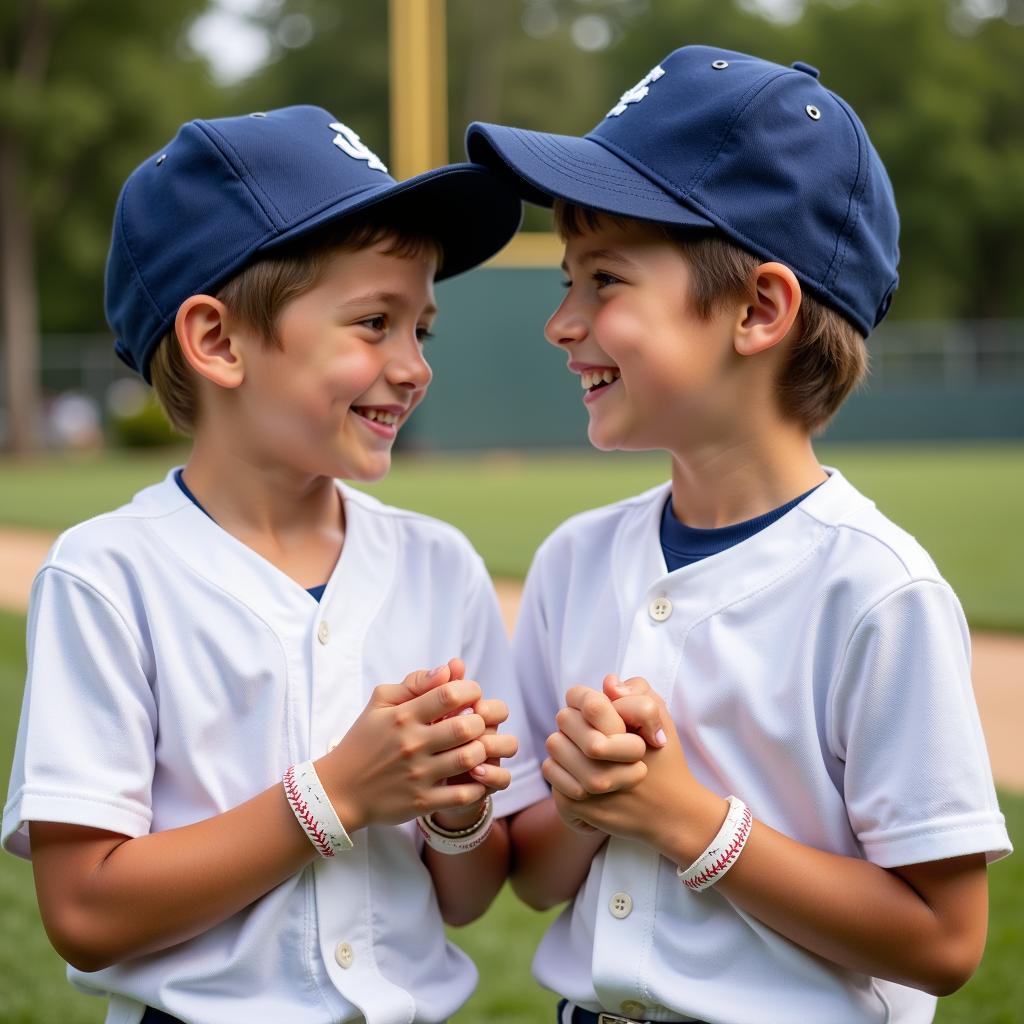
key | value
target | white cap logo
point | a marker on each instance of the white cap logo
(637, 93)
(348, 142)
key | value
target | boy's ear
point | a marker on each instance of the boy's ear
(769, 316)
(207, 342)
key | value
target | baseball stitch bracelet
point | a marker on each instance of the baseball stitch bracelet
(455, 841)
(314, 811)
(727, 845)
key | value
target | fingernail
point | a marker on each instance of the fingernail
(660, 738)
(435, 672)
(623, 685)
(479, 771)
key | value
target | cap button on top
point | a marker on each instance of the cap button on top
(807, 69)
(323, 632)
(660, 609)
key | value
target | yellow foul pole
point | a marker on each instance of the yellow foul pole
(419, 86)
(419, 113)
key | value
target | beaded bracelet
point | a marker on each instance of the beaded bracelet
(727, 845)
(314, 811)
(455, 841)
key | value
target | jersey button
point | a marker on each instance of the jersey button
(344, 954)
(323, 632)
(621, 905)
(631, 1008)
(660, 609)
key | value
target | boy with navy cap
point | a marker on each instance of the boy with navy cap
(771, 804)
(234, 811)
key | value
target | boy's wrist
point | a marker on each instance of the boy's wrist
(682, 837)
(455, 818)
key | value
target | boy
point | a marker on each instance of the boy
(220, 807)
(731, 238)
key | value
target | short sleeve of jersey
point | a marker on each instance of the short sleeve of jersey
(85, 748)
(917, 781)
(489, 661)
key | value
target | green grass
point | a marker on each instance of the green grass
(965, 503)
(33, 989)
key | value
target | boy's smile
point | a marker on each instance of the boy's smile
(649, 366)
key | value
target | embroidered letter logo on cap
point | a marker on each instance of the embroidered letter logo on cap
(348, 142)
(638, 92)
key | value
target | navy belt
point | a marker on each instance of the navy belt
(582, 1016)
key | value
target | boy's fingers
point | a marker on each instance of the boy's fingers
(492, 776)
(596, 709)
(445, 698)
(457, 668)
(559, 779)
(449, 763)
(596, 745)
(413, 685)
(453, 732)
(642, 714)
(596, 778)
(499, 745)
(492, 711)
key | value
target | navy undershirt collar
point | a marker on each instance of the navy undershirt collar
(684, 545)
(315, 592)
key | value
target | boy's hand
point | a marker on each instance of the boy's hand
(603, 737)
(394, 763)
(489, 772)
(647, 799)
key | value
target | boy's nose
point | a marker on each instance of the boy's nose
(409, 368)
(565, 327)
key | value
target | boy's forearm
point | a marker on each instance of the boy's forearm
(550, 861)
(922, 926)
(467, 883)
(128, 897)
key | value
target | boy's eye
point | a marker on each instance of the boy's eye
(566, 284)
(375, 323)
(602, 280)
(424, 333)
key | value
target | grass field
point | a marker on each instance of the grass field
(965, 503)
(33, 989)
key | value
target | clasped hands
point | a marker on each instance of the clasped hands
(616, 764)
(429, 744)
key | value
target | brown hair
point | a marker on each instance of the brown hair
(826, 362)
(259, 292)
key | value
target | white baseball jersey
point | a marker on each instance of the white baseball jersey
(174, 674)
(820, 672)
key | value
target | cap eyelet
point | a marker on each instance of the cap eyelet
(160, 159)
(258, 113)
(813, 112)
(719, 65)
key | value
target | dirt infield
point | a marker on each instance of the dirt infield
(998, 658)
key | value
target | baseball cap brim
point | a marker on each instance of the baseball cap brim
(470, 211)
(579, 170)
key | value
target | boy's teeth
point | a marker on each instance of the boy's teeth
(380, 416)
(591, 378)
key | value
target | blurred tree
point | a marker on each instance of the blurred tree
(86, 91)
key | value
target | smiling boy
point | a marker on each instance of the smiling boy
(800, 832)
(233, 809)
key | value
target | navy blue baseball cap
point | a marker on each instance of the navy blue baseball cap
(715, 139)
(226, 191)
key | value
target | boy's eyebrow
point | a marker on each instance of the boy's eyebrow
(601, 255)
(384, 298)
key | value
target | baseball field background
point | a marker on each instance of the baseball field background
(964, 502)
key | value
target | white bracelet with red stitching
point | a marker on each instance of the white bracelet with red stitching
(713, 863)
(314, 811)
